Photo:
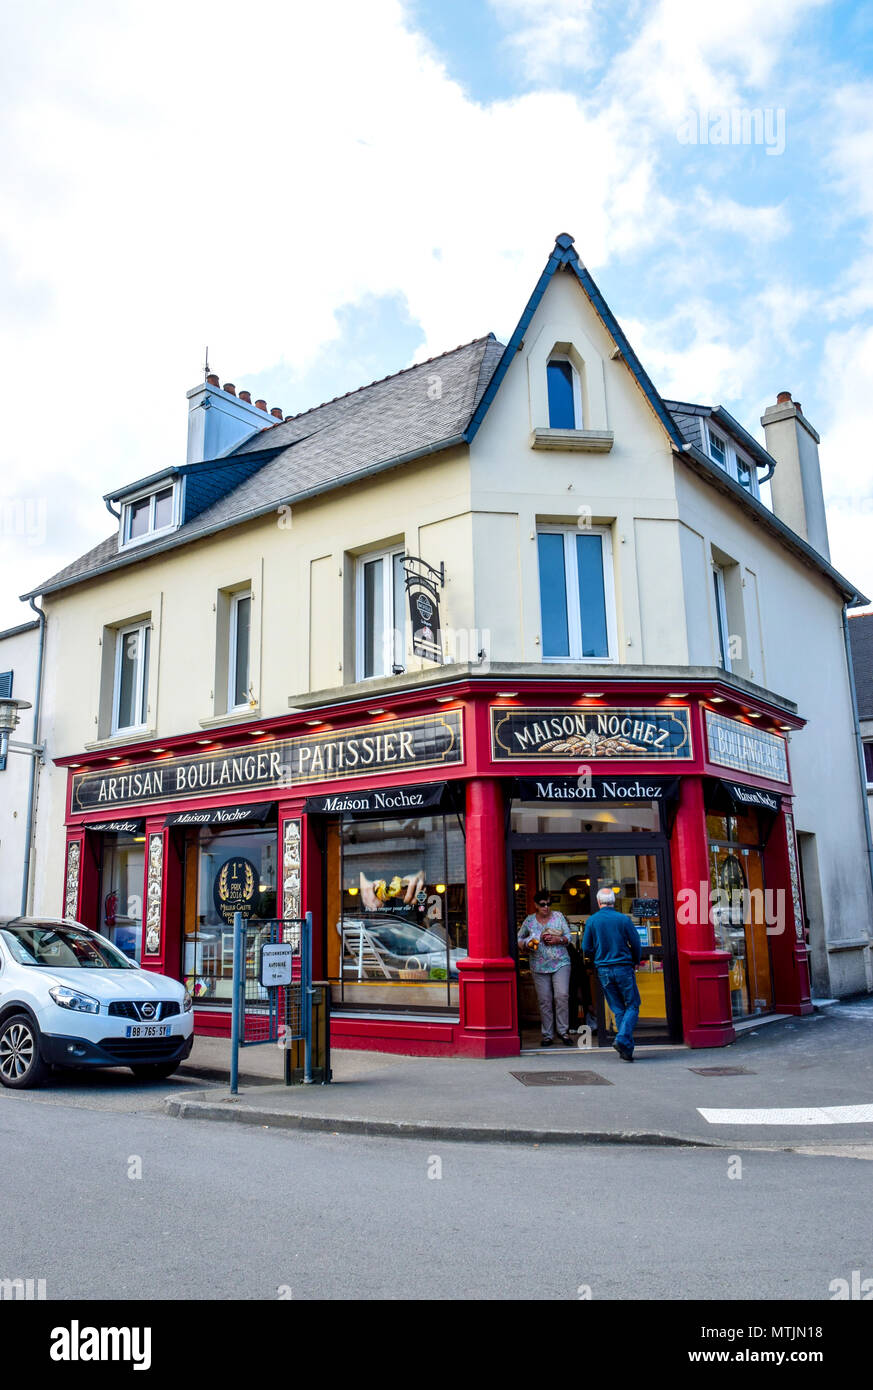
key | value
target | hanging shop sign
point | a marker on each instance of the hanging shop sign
(427, 740)
(585, 734)
(235, 888)
(377, 801)
(596, 788)
(752, 798)
(732, 743)
(255, 814)
(423, 585)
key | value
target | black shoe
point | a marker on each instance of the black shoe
(567, 1040)
(545, 1042)
(624, 1053)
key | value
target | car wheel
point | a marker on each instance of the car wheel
(20, 1063)
(154, 1071)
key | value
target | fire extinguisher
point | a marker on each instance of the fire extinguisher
(110, 908)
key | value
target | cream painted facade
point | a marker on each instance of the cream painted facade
(478, 507)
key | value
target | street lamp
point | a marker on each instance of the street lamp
(10, 716)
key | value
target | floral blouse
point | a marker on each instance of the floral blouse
(545, 960)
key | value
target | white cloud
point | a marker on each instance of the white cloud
(550, 37)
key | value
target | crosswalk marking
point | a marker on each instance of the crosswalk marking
(801, 1115)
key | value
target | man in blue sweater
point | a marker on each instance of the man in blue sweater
(611, 938)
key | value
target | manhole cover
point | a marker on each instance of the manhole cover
(560, 1078)
(723, 1071)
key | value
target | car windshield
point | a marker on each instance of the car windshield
(62, 948)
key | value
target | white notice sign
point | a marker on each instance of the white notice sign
(276, 965)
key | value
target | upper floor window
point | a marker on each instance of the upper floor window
(718, 449)
(868, 762)
(565, 394)
(724, 655)
(381, 625)
(148, 515)
(576, 599)
(131, 685)
(239, 659)
(725, 453)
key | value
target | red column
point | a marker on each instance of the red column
(788, 953)
(703, 970)
(489, 1019)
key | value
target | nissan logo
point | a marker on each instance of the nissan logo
(147, 1010)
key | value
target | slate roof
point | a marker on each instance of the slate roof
(861, 642)
(421, 409)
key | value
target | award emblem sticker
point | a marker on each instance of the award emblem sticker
(235, 888)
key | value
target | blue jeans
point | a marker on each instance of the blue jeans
(620, 987)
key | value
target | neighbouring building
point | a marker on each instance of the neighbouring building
(19, 658)
(504, 619)
(861, 642)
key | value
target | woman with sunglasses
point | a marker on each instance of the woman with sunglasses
(546, 935)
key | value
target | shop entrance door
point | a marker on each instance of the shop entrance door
(573, 876)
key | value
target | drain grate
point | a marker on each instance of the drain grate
(723, 1071)
(560, 1078)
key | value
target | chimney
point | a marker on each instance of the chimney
(277, 412)
(219, 419)
(795, 487)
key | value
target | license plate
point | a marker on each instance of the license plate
(147, 1030)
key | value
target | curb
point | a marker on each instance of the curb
(408, 1129)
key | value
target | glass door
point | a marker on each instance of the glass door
(640, 893)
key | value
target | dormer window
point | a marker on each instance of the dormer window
(150, 514)
(565, 394)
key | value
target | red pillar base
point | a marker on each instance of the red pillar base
(489, 1025)
(706, 997)
(801, 996)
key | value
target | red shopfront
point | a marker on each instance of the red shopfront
(418, 834)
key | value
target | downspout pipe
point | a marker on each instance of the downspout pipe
(35, 759)
(859, 743)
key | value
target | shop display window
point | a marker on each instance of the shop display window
(736, 869)
(396, 919)
(226, 870)
(122, 880)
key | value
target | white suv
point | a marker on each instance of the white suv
(69, 998)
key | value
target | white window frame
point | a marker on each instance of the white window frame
(398, 658)
(732, 459)
(121, 633)
(126, 540)
(571, 581)
(711, 436)
(865, 744)
(233, 637)
(578, 415)
(722, 630)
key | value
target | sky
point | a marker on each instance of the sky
(324, 194)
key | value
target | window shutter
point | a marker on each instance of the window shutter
(5, 694)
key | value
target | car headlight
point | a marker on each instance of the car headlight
(71, 999)
(187, 1003)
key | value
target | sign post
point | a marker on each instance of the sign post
(272, 992)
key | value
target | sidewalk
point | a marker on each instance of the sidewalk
(796, 1065)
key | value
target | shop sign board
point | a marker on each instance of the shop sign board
(367, 750)
(585, 734)
(732, 743)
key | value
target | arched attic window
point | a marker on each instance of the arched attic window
(564, 392)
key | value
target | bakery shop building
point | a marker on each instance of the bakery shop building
(418, 835)
(506, 620)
